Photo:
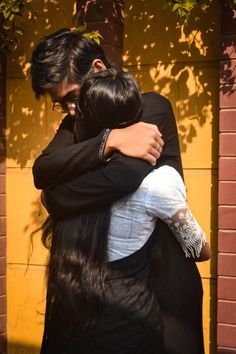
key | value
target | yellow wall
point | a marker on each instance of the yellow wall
(30, 124)
(180, 61)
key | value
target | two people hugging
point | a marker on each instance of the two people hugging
(123, 242)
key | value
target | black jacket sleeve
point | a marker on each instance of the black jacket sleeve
(122, 175)
(63, 160)
(96, 189)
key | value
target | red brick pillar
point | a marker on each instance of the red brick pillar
(226, 336)
(2, 205)
(107, 17)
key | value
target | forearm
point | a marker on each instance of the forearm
(98, 188)
(65, 163)
(62, 159)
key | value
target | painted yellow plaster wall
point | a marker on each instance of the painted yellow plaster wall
(180, 61)
(30, 125)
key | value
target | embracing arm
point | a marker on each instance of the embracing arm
(122, 175)
(62, 159)
(166, 199)
(98, 188)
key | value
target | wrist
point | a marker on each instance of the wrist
(101, 151)
(111, 143)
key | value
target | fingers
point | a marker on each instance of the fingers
(151, 159)
(159, 141)
(152, 155)
(157, 147)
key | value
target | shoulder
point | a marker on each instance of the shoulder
(67, 123)
(165, 192)
(155, 99)
(164, 179)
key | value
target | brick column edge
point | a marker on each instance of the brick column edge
(226, 299)
(3, 298)
(108, 18)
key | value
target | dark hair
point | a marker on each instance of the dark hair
(63, 57)
(108, 99)
(77, 266)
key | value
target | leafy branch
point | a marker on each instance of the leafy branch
(79, 25)
(184, 7)
(10, 11)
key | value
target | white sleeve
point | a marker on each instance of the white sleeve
(166, 199)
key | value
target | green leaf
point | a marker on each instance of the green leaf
(7, 27)
(81, 28)
(19, 31)
(6, 13)
(11, 17)
(95, 35)
(176, 7)
(15, 8)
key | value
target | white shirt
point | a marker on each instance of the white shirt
(162, 194)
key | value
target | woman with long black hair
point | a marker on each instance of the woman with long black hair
(101, 297)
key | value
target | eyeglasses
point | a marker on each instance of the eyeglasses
(67, 102)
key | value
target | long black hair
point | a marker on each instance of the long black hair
(77, 267)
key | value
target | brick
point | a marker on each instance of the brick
(226, 288)
(227, 217)
(114, 54)
(226, 335)
(2, 146)
(226, 350)
(228, 120)
(226, 312)
(3, 324)
(228, 96)
(2, 184)
(227, 264)
(2, 126)
(3, 285)
(2, 246)
(2, 106)
(227, 168)
(227, 144)
(228, 47)
(2, 65)
(3, 227)
(3, 343)
(3, 305)
(2, 86)
(227, 192)
(112, 11)
(228, 71)
(227, 19)
(2, 205)
(3, 266)
(227, 241)
(112, 33)
(2, 165)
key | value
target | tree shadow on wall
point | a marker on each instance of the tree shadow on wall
(31, 123)
(177, 59)
(22, 348)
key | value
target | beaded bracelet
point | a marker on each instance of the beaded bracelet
(103, 143)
